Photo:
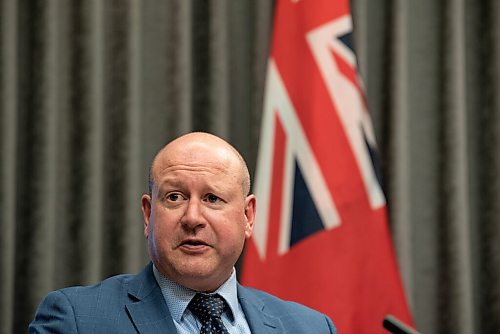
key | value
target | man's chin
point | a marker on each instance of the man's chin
(201, 280)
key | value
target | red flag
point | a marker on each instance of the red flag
(321, 235)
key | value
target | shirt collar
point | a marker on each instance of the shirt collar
(178, 297)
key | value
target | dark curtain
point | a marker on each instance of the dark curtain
(90, 90)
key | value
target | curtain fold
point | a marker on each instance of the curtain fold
(455, 251)
(90, 90)
(8, 156)
(488, 165)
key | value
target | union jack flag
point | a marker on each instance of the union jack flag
(321, 236)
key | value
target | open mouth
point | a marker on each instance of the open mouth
(193, 243)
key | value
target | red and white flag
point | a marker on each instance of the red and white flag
(321, 235)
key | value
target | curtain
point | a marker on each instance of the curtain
(432, 80)
(90, 90)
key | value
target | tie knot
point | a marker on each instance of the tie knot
(205, 306)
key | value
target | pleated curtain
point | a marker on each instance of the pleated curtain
(90, 90)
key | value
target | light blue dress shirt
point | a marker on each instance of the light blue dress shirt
(178, 297)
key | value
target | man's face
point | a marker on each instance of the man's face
(198, 218)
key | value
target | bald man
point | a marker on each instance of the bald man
(197, 216)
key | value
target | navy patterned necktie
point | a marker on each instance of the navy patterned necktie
(208, 309)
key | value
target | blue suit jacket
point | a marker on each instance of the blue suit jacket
(134, 304)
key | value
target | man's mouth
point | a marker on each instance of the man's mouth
(193, 245)
(193, 242)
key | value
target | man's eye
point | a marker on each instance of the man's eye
(174, 197)
(212, 198)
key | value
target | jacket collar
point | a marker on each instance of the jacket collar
(147, 308)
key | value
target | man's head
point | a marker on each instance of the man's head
(199, 213)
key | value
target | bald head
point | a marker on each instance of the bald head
(201, 147)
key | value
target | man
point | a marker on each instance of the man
(197, 217)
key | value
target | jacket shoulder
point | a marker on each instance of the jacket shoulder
(86, 308)
(293, 316)
(273, 302)
(111, 285)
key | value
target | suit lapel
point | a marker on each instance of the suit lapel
(258, 319)
(147, 308)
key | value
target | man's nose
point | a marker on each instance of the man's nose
(193, 216)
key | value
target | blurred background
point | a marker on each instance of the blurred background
(90, 90)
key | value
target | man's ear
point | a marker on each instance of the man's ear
(146, 212)
(250, 206)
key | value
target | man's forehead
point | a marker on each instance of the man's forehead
(179, 174)
(194, 167)
(196, 157)
(212, 178)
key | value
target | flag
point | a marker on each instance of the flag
(321, 235)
